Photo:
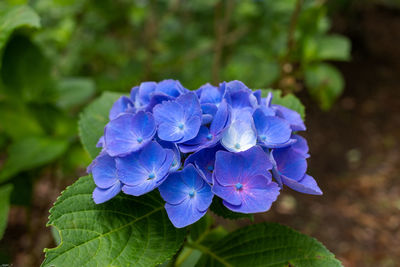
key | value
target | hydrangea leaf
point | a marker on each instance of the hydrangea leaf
(29, 153)
(14, 18)
(126, 231)
(93, 119)
(325, 83)
(5, 192)
(219, 209)
(268, 245)
(74, 91)
(289, 101)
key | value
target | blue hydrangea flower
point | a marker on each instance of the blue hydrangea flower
(144, 170)
(128, 133)
(204, 161)
(290, 169)
(178, 121)
(209, 136)
(272, 132)
(105, 177)
(229, 138)
(243, 180)
(188, 196)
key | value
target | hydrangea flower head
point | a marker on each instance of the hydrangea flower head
(223, 141)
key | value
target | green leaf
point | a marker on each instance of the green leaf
(18, 121)
(325, 84)
(268, 245)
(5, 192)
(93, 119)
(289, 101)
(26, 71)
(14, 18)
(329, 47)
(74, 91)
(126, 231)
(219, 209)
(30, 153)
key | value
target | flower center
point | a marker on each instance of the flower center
(263, 137)
(192, 193)
(238, 186)
(180, 126)
(209, 137)
(151, 176)
(237, 146)
(210, 168)
(139, 140)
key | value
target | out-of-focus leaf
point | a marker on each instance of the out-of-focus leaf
(26, 71)
(30, 153)
(16, 17)
(325, 84)
(267, 244)
(289, 101)
(125, 231)
(329, 47)
(74, 91)
(219, 209)
(17, 121)
(93, 119)
(5, 192)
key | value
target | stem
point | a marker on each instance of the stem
(205, 250)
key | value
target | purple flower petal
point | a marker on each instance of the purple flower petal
(306, 185)
(103, 171)
(122, 105)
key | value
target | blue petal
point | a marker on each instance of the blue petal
(210, 94)
(235, 86)
(102, 195)
(130, 170)
(271, 131)
(176, 162)
(197, 142)
(260, 200)
(173, 190)
(242, 99)
(156, 99)
(204, 160)
(170, 87)
(190, 103)
(123, 104)
(291, 116)
(221, 119)
(228, 193)
(184, 214)
(240, 136)
(257, 95)
(191, 177)
(145, 90)
(129, 133)
(204, 198)
(100, 143)
(290, 163)
(228, 166)
(104, 171)
(300, 146)
(306, 185)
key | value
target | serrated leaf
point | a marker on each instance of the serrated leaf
(219, 209)
(126, 231)
(74, 91)
(5, 192)
(93, 119)
(267, 245)
(289, 101)
(14, 18)
(30, 153)
(325, 84)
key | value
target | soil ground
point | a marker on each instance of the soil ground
(355, 157)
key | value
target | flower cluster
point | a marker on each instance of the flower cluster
(224, 141)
